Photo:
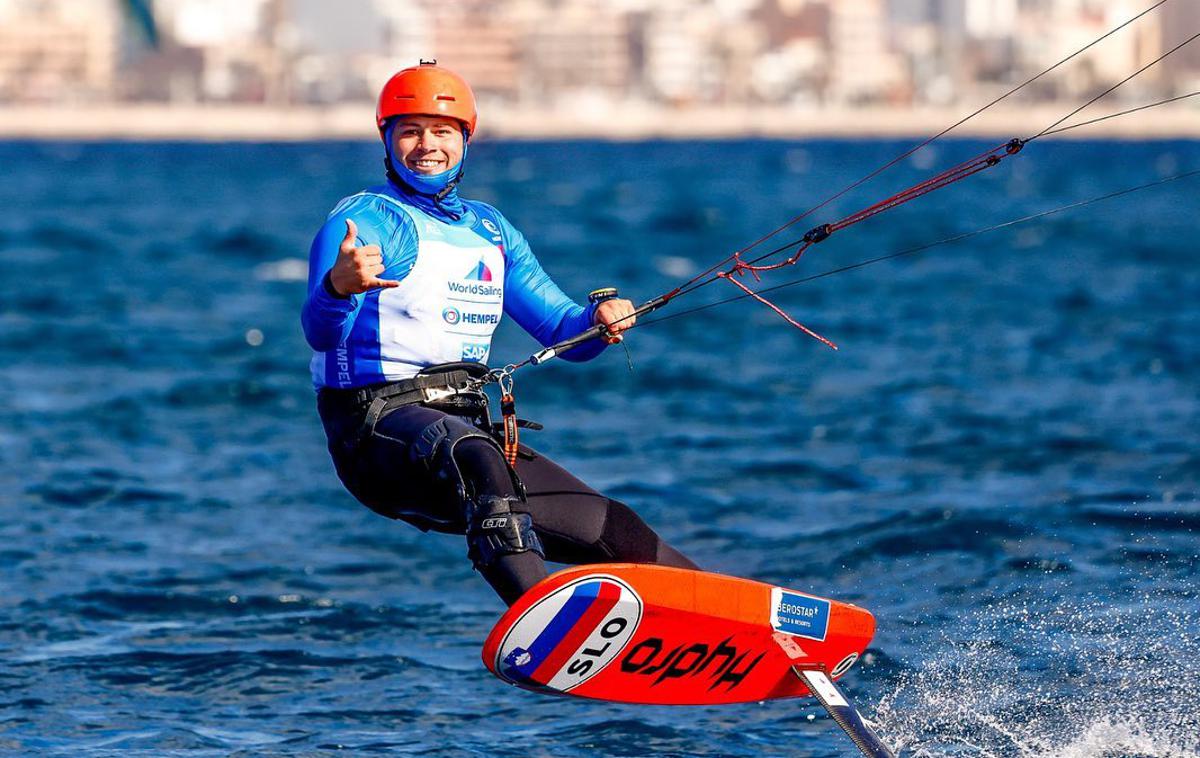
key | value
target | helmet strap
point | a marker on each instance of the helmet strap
(444, 191)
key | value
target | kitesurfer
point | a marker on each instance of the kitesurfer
(407, 281)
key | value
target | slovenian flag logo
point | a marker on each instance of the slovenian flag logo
(480, 273)
(570, 635)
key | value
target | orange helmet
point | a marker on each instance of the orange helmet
(427, 89)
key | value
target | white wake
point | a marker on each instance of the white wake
(1083, 680)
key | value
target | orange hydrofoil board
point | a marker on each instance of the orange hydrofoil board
(637, 633)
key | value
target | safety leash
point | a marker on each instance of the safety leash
(508, 411)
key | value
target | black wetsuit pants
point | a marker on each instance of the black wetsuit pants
(389, 471)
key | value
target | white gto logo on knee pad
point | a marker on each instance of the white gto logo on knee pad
(494, 523)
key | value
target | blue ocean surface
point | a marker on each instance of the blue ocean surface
(1001, 461)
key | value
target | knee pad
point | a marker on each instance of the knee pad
(495, 530)
(436, 444)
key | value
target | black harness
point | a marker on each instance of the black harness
(454, 388)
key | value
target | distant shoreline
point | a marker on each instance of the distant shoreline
(220, 123)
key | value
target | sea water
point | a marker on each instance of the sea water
(1001, 461)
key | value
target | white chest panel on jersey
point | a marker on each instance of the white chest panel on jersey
(447, 307)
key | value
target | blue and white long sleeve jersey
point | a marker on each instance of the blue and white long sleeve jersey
(456, 279)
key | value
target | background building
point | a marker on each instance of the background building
(589, 55)
(58, 51)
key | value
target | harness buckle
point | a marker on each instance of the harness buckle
(434, 394)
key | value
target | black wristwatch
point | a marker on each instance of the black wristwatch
(595, 297)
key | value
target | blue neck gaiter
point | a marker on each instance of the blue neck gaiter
(424, 190)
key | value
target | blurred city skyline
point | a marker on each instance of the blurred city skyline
(572, 56)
